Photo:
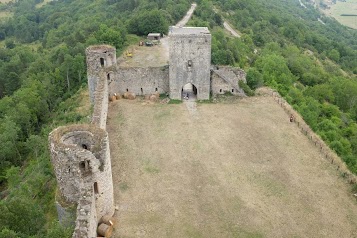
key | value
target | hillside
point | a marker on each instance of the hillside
(43, 76)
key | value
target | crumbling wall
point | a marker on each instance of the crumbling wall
(86, 221)
(141, 81)
(225, 79)
(81, 160)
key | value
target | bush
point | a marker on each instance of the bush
(254, 78)
(248, 91)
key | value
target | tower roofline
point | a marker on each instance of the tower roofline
(174, 30)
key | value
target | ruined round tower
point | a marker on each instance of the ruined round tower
(81, 159)
(99, 57)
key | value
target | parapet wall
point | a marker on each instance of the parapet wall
(325, 150)
(141, 81)
(100, 110)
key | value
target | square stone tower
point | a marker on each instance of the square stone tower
(190, 60)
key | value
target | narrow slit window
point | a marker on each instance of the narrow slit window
(96, 190)
(102, 62)
(127, 90)
(232, 90)
(108, 77)
(141, 89)
(220, 90)
(155, 89)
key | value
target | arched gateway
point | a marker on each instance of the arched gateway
(189, 91)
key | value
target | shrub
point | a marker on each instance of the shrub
(248, 91)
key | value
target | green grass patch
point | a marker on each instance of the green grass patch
(205, 101)
(240, 232)
(354, 188)
(149, 167)
(174, 101)
(123, 186)
(163, 96)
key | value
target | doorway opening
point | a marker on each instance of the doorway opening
(189, 92)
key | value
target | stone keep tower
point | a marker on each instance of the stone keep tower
(190, 60)
(98, 57)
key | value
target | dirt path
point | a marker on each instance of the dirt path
(188, 15)
(230, 29)
(240, 170)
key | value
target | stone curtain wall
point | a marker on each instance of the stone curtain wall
(327, 153)
(225, 79)
(141, 81)
(100, 110)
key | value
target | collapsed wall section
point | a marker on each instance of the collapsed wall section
(141, 81)
(225, 79)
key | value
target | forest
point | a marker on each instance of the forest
(43, 69)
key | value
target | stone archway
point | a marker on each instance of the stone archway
(189, 92)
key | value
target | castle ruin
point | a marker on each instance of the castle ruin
(80, 154)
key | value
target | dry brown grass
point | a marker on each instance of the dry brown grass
(237, 169)
(84, 106)
(144, 56)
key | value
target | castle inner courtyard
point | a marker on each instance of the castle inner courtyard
(233, 169)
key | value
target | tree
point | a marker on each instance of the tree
(149, 21)
(254, 78)
(21, 215)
